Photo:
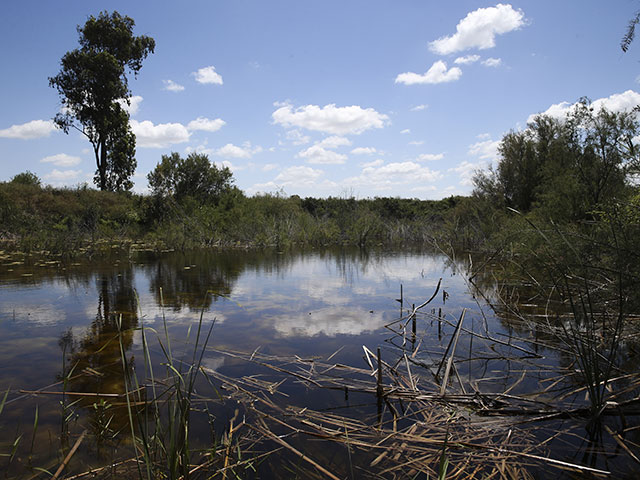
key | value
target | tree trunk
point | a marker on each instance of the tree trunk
(102, 165)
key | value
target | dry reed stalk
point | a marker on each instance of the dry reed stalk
(69, 455)
(453, 343)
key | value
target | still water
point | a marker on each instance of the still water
(60, 319)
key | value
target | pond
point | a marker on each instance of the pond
(286, 383)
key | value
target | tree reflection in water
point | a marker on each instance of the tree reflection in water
(93, 362)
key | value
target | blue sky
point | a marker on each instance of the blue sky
(318, 98)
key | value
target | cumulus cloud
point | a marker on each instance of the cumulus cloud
(364, 151)
(419, 108)
(233, 151)
(466, 170)
(492, 62)
(132, 106)
(29, 130)
(375, 163)
(486, 149)
(297, 137)
(208, 75)
(62, 160)
(334, 142)
(63, 177)
(618, 102)
(330, 321)
(297, 178)
(438, 73)
(479, 29)
(406, 131)
(430, 157)
(321, 152)
(206, 124)
(386, 176)
(319, 155)
(330, 119)
(172, 86)
(162, 135)
(466, 60)
(269, 166)
(298, 175)
(416, 142)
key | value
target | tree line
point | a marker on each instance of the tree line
(566, 168)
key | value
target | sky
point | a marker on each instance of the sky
(364, 98)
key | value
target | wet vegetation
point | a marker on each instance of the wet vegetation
(71, 220)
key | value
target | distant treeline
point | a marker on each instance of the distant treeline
(64, 220)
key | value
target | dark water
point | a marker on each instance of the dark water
(57, 316)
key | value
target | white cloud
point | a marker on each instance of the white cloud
(62, 160)
(466, 60)
(133, 106)
(298, 175)
(203, 149)
(438, 73)
(486, 150)
(384, 177)
(419, 108)
(557, 110)
(376, 163)
(429, 157)
(329, 321)
(208, 75)
(269, 166)
(233, 151)
(479, 29)
(172, 86)
(334, 142)
(364, 151)
(330, 119)
(416, 142)
(300, 179)
(29, 130)
(492, 62)
(231, 166)
(206, 124)
(321, 152)
(162, 135)
(466, 170)
(319, 155)
(406, 131)
(618, 102)
(297, 137)
(63, 177)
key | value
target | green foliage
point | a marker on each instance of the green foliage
(566, 169)
(630, 34)
(27, 178)
(193, 177)
(92, 83)
(195, 204)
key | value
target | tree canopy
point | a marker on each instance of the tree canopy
(27, 178)
(93, 86)
(567, 167)
(194, 176)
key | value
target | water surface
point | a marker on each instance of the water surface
(57, 316)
